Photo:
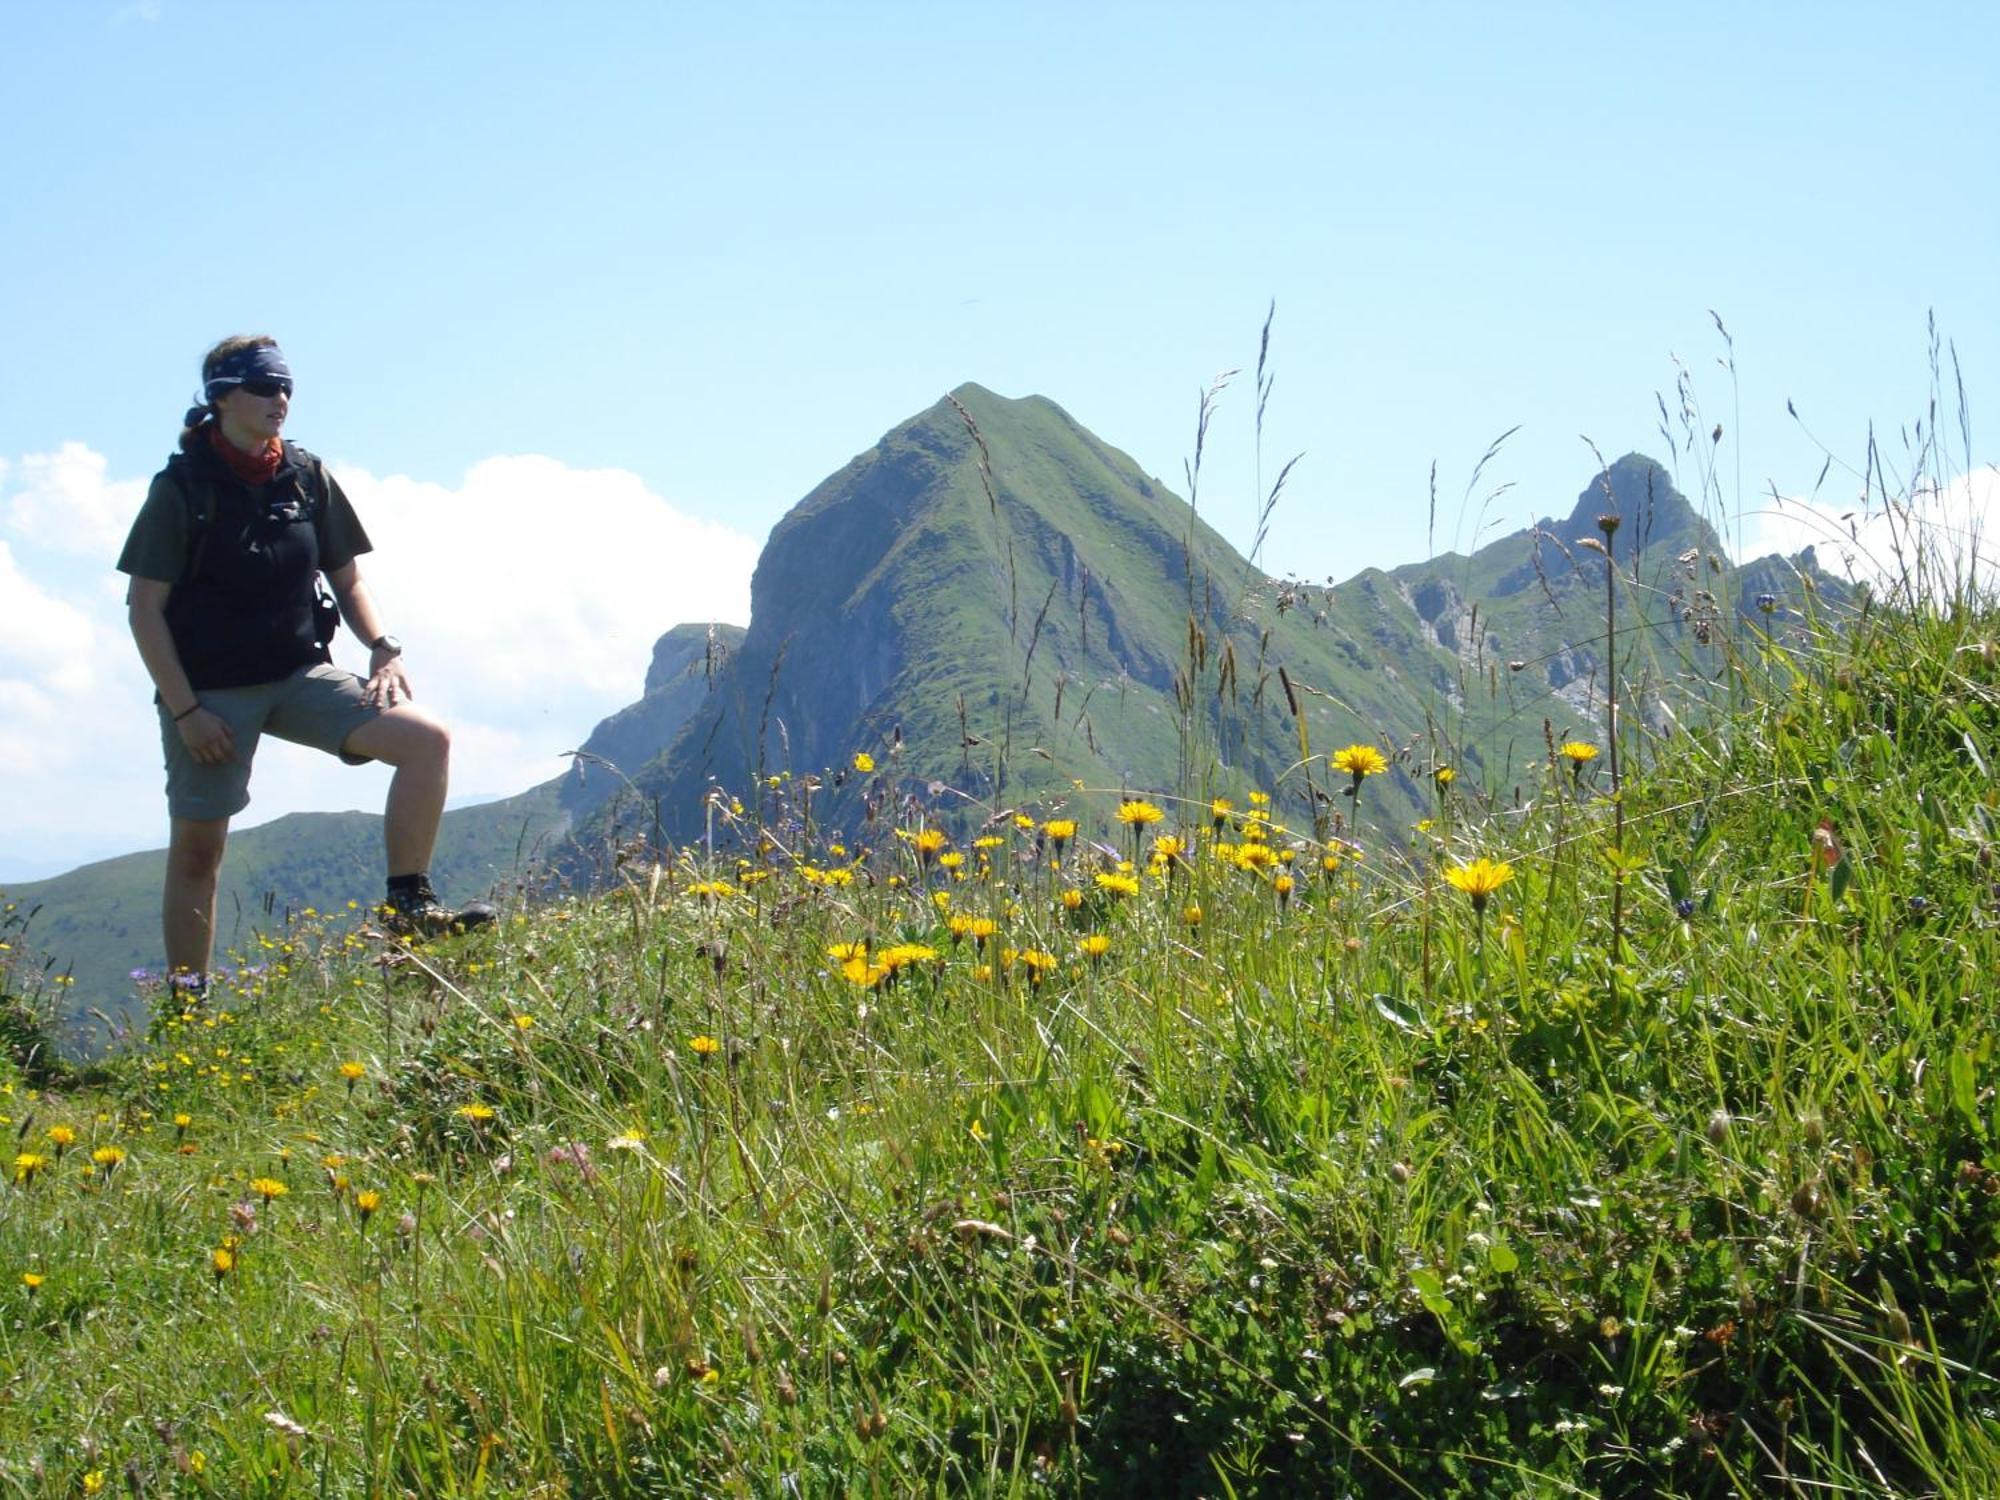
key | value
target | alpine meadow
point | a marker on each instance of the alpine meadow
(1057, 1005)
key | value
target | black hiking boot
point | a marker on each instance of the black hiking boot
(419, 913)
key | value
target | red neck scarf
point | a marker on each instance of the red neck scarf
(252, 468)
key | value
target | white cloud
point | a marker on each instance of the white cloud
(65, 503)
(1936, 539)
(528, 597)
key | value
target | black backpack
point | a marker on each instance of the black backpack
(314, 489)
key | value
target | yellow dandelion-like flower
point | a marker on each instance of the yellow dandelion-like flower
(1444, 776)
(268, 1188)
(863, 762)
(709, 890)
(1072, 899)
(524, 1022)
(1578, 752)
(1219, 810)
(32, 1279)
(62, 1137)
(982, 928)
(182, 1122)
(478, 1114)
(1060, 831)
(704, 1046)
(1255, 857)
(1359, 761)
(1168, 847)
(1137, 813)
(1191, 915)
(1023, 823)
(1283, 885)
(1095, 946)
(27, 1164)
(902, 955)
(843, 952)
(108, 1157)
(952, 861)
(1117, 884)
(366, 1202)
(1479, 879)
(221, 1262)
(93, 1482)
(927, 842)
(988, 841)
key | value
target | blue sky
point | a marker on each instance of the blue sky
(717, 250)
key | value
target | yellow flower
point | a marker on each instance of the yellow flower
(863, 762)
(1072, 899)
(108, 1157)
(951, 861)
(479, 1114)
(1578, 752)
(704, 1046)
(1117, 884)
(1283, 885)
(523, 1022)
(1169, 846)
(366, 1202)
(1359, 761)
(1060, 831)
(1191, 914)
(710, 889)
(221, 1262)
(1095, 946)
(1137, 813)
(927, 841)
(904, 954)
(988, 841)
(181, 1122)
(93, 1482)
(842, 952)
(32, 1279)
(1037, 963)
(1479, 879)
(1024, 823)
(1444, 776)
(27, 1164)
(61, 1137)
(268, 1188)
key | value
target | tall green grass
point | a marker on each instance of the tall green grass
(1673, 1171)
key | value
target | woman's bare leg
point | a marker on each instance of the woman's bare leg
(187, 908)
(420, 749)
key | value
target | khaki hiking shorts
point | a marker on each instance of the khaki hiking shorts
(317, 706)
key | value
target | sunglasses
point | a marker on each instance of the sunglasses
(267, 388)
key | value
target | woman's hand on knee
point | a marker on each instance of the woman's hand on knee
(389, 686)
(207, 738)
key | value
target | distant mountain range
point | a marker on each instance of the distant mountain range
(995, 605)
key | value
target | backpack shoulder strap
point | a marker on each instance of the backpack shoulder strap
(313, 481)
(199, 499)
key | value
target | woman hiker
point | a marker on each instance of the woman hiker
(232, 624)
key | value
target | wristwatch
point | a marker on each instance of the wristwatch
(386, 643)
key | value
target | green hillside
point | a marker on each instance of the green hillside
(1659, 1158)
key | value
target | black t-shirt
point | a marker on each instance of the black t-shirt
(242, 607)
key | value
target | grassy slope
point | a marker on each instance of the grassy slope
(103, 920)
(1350, 1193)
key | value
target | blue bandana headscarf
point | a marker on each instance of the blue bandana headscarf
(264, 362)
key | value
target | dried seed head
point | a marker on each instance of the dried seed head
(1814, 1129)
(1718, 1128)
(1805, 1201)
(1608, 522)
(1399, 1172)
